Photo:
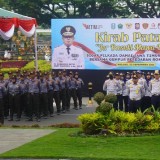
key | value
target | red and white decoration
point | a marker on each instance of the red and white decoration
(8, 25)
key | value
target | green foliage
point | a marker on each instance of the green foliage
(43, 66)
(111, 98)
(92, 123)
(119, 122)
(104, 108)
(98, 97)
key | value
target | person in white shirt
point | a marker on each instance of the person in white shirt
(67, 56)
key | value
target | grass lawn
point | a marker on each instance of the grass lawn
(60, 145)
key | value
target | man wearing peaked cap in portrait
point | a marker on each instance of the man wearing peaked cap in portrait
(67, 56)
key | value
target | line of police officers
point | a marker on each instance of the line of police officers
(32, 93)
(135, 90)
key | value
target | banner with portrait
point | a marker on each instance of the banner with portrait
(118, 44)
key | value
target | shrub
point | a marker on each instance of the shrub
(92, 123)
(99, 97)
(104, 108)
(111, 98)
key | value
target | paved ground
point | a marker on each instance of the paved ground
(12, 138)
(68, 117)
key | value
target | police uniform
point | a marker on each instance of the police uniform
(154, 87)
(62, 90)
(14, 91)
(80, 84)
(68, 57)
(111, 86)
(43, 96)
(2, 94)
(72, 90)
(135, 92)
(33, 98)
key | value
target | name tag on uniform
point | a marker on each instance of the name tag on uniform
(75, 55)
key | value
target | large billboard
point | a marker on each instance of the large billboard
(117, 44)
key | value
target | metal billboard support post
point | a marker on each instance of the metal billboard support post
(35, 45)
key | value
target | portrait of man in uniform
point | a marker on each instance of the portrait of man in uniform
(68, 56)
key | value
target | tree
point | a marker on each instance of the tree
(45, 10)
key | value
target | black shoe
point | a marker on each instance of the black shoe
(63, 111)
(80, 107)
(76, 108)
(11, 119)
(58, 113)
(18, 119)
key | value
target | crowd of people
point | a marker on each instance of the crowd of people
(134, 90)
(33, 93)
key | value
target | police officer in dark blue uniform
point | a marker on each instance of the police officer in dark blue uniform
(2, 93)
(14, 91)
(79, 86)
(33, 97)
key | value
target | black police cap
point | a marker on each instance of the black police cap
(68, 31)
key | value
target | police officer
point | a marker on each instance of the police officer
(2, 93)
(135, 92)
(67, 56)
(50, 94)
(33, 97)
(62, 90)
(147, 97)
(56, 92)
(14, 91)
(111, 86)
(72, 89)
(43, 96)
(80, 84)
(119, 102)
(154, 87)
(24, 93)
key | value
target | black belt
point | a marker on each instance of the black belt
(155, 94)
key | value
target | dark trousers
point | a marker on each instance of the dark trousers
(1, 111)
(79, 96)
(43, 103)
(23, 104)
(67, 99)
(50, 102)
(125, 101)
(146, 102)
(56, 97)
(119, 102)
(14, 104)
(134, 105)
(6, 105)
(72, 93)
(33, 105)
(155, 101)
(63, 98)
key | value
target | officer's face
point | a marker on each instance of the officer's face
(156, 76)
(68, 40)
(135, 80)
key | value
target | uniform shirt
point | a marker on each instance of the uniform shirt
(135, 91)
(111, 86)
(62, 82)
(62, 60)
(79, 82)
(23, 86)
(72, 83)
(56, 84)
(143, 83)
(124, 89)
(14, 88)
(148, 92)
(119, 91)
(43, 86)
(33, 86)
(50, 84)
(2, 90)
(154, 87)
